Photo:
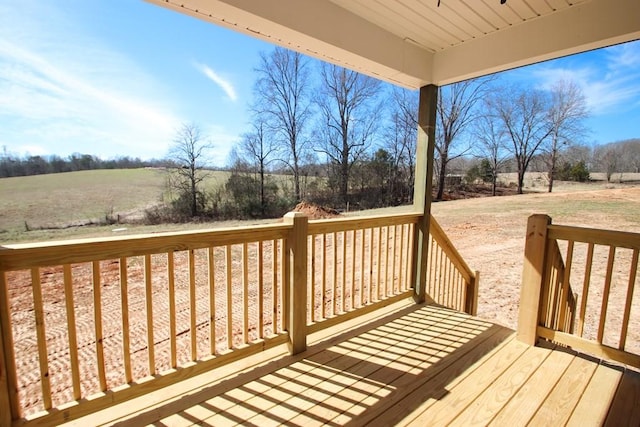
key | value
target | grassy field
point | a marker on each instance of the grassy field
(65, 199)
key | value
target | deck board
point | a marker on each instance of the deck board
(419, 365)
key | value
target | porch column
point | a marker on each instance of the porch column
(423, 186)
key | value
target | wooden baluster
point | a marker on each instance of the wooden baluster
(401, 260)
(379, 263)
(353, 269)
(585, 289)
(605, 293)
(45, 380)
(335, 273)
(260, 261)
(124, 308)
(362, 268)
(97, 312)
(211, 260)
(370, 233)
(323, 299)
(192, 305)
(149, 303)
(629, 300)
(245, 293)
(344, 272)
(71, 330)
(274, 286)
(312, 281)
(565, 298)
(8, 372)
(172, 308)
(228, 260)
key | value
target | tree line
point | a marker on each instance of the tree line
(12, 165)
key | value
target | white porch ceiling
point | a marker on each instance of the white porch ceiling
(414, 42)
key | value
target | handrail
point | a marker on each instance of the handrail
(441, 237)
(550, 308)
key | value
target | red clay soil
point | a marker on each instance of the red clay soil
(314, 211)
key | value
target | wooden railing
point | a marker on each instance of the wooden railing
(91, 323)
(595, 314)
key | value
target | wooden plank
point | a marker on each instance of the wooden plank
(172, 308)
(629, 300)
(149, 311)
(559, 405)
(524, 404)
(532, 275)
(620, 239)
(71, 331)
(597, 397)
(23, 256)
(124, 309)
(192, 305)
(605, 293)
(97, 318)
(625, 409)
(585, 289)
(43, 361)
(494, 397)
(212, 300)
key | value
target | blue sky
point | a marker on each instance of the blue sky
(118, 77)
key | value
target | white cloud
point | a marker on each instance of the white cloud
(610, 85)
(63, 91)
(225, 85)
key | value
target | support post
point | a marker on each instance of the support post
(296, 298)
(471, 303)
(532, 278)
(422, 189)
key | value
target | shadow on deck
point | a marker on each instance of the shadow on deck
(419, 365)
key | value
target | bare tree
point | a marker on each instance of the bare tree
(282, 99)
(567, 111)
(189, 153)
(259, 151)
(349, 119)
(490, 137)
(522, 115)
(400, 138)
(456, 110)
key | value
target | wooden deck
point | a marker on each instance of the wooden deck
(415, 366)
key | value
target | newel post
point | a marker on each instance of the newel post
(532, 277)
(296, 282)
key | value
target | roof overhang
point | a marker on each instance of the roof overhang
(413, 43)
